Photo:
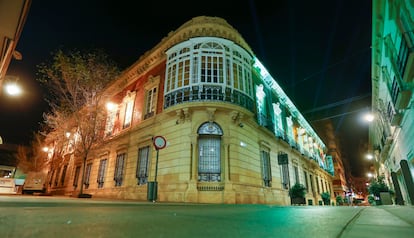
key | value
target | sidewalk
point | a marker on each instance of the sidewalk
(382, 221)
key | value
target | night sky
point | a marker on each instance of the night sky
(319, 52)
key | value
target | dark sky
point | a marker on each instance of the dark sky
(319, 51)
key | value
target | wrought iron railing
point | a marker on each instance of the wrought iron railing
(208, 93)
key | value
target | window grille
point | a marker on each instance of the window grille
(128, 114)
(285, 176)
(142, 165)
(266, 169)
(306, 180)
(76, 177)
(296, 171)
(209, 160)
(101, 173)
(150, 106)
(311, 181)
(57, 176)
(62, 178)
(87, 175)
(119, 169)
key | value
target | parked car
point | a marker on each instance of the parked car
(35, 182)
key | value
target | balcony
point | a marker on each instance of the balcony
(396, 119)
(402, 99)
(406, 57)
(208, 93)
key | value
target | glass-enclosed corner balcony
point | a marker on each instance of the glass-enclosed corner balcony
(208, 69)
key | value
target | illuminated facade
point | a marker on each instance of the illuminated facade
(232, 134)
(392, 131)
(326, 131)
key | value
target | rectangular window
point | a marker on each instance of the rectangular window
(151, 102)
(87, 175)
(283, 161)
(168, 79)
(180, 74)
(142, 165)
(186, 79)
(204, 69)
(311, 181)
(296, 171)
(209, 159)
(266, 170)
(128, 114)
(235, 76)
(110, 122)
(403, 52)
(322, 187)
(119, 169)
(62, 178)
(285, 175)
(306, 180)
(57, 176)
(51, 177)
(76, 178)
(174, 76)
(101, 173)
(228, 73)
(195, 69)
(318, 188)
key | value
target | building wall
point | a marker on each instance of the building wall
(391, 134)
(243, 136)
(326, 131)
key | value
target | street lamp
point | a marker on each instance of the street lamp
(369, 117)
(13, 89)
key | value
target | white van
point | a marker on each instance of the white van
(35, 182)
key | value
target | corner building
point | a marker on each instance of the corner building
(232, 134)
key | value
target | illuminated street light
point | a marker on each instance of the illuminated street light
(110, 106)
(369, 156)
(369, 117)
(370, 175)
(13, 89)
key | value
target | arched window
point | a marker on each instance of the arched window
(209, 153)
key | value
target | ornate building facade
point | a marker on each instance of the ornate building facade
(392, 131)
(232, 135)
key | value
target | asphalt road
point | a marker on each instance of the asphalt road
(39, 216)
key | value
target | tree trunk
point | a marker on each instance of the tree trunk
(83, 176)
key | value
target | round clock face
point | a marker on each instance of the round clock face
(159, 142)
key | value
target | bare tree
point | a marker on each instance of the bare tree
(76, 82)
(32, 158)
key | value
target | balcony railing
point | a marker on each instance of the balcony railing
(208, 93)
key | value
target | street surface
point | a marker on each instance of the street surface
(47, 216)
